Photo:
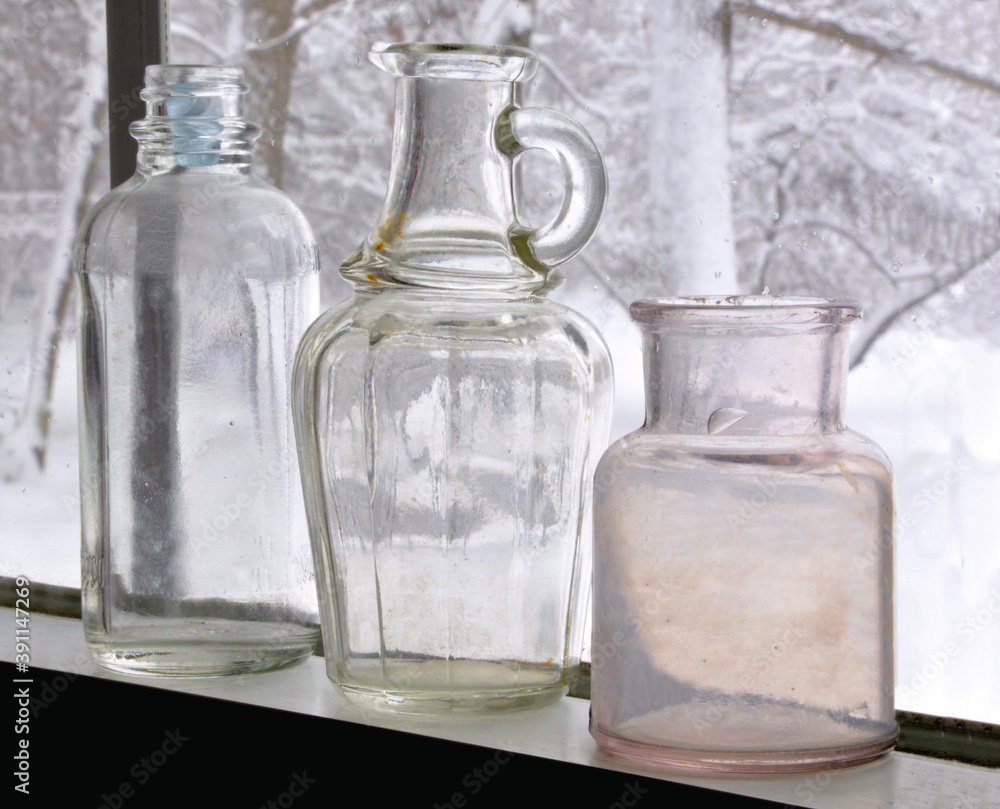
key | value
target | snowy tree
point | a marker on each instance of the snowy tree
(55, 101)
(866, 167)
(852, 140)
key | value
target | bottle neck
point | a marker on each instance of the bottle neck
(194, 120)
(449, 212)
(733, 383)
(445, 160)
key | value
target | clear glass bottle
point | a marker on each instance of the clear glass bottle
(195, 281)
(743, 549)
(448, 416)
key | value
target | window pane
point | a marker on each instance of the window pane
(860, 162)
(53, 156)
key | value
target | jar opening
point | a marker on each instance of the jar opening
(718, 310)
(425, 60)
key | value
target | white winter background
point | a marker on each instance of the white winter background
(839, 148)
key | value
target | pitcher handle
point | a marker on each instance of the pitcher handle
(586, 180)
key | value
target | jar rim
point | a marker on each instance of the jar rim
(447, 60)
(718, 309)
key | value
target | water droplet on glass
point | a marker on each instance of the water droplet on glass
(767, 291)
(258, 40)
(775, 216)
(930, 179)
(724, 418)
(763, 22)
(796, 145)
(232, 423)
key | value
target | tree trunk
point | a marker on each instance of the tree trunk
(269, 72)
(689, 145)
(26, 442)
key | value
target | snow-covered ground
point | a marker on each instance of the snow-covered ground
(40, 514)
(931, 403)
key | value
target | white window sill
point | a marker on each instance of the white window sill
(557, 732)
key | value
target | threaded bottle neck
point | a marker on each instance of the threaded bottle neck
(194, 119)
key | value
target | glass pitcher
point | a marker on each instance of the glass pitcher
(448, 416)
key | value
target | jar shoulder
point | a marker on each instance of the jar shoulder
(842, 449)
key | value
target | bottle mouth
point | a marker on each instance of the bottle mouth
(734, 310)
(194, 117)
(426, 60)
(193, 81)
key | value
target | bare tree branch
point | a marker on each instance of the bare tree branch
(310, 18)
(591, 106)
(883, 326)
(845, 233)
(866, 43)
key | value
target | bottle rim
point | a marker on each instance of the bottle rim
(720, 310)
(445, 60)
(193, 80)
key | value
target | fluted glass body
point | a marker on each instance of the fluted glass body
(195, 281)
(743, 565)
(449, 419)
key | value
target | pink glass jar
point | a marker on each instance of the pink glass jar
(743, 549)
